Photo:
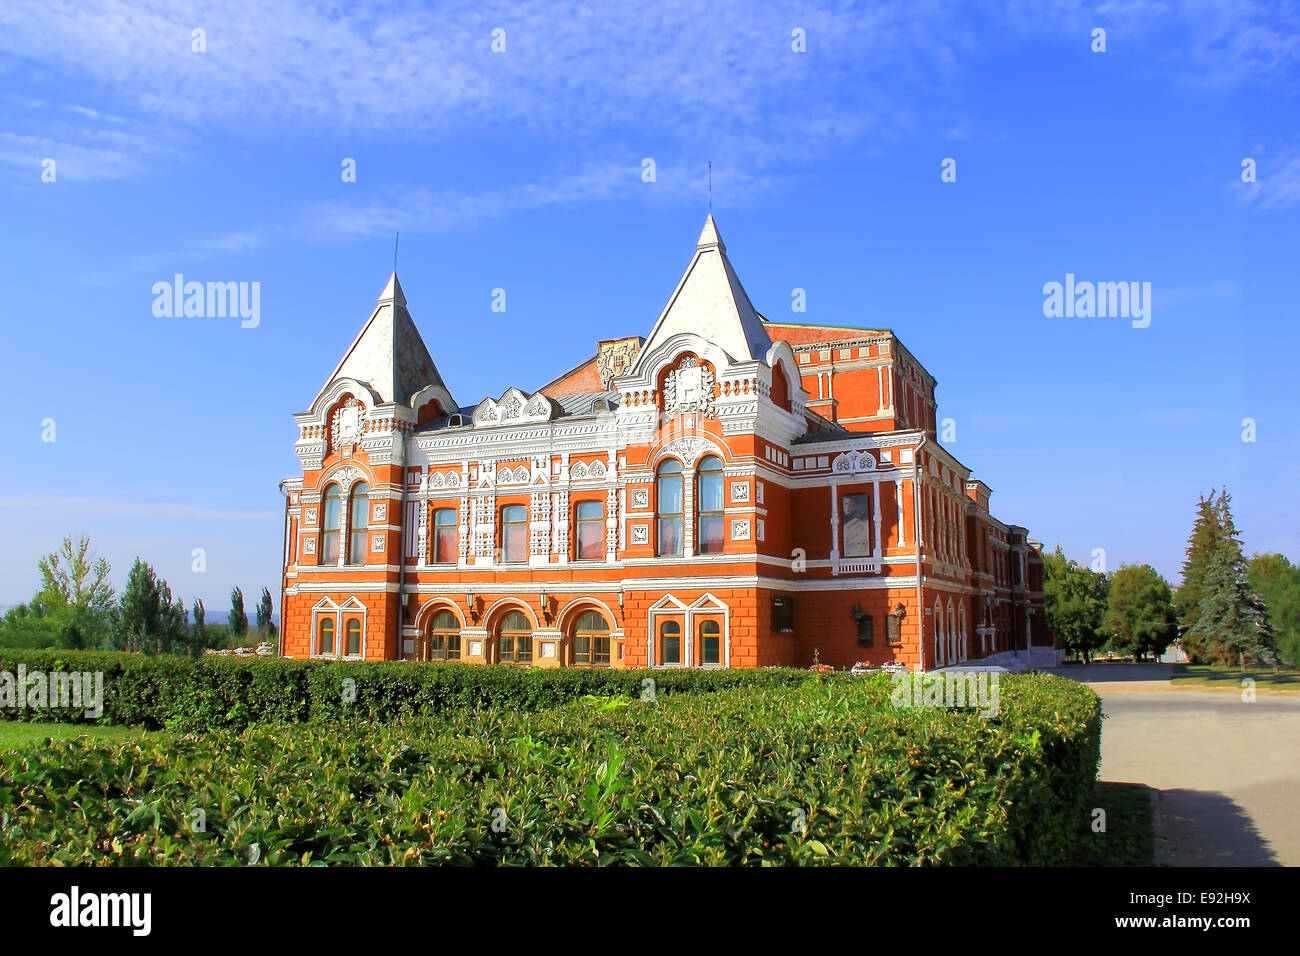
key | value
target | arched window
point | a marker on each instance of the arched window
(855, 535)
(444, 637)
(514, 533)
(710, 642)
(590, 539)
(352, 641)
(591, 640)
(359, 519)
(670, 643)
(325, 637)
(329, 552)
(515, 637)
(710, 521)
(668, 497)
(444, 536)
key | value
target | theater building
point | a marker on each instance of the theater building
(727, 491)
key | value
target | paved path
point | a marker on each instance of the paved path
(1228, 771)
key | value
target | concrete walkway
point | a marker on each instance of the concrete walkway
(1228, 771)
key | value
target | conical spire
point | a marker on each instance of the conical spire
(709, 238)
(392, 292)
(710, 301)
(389, 355)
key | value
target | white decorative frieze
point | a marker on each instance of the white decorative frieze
(640, 533)
(853, 462)
(309, 545)
(640, 499)
(740, 529)
(514, 408)
(381, 511)
(691, 448)
(345, 476)
(377, 542)
(309, 516)
(740, 491)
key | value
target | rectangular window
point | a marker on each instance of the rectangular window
(590, 542)
(672, 649)
(514, 533)
(444, 536)
(710, 642)
(782, 614)
(855, 535)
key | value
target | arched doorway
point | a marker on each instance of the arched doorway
(442, 642)
(590, 640)
(514, 639)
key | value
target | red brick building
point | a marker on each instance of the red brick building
(726, 492)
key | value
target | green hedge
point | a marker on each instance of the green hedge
(723, 778)
(216, 692)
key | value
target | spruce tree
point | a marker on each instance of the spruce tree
(1207, 531)
(140, 620)
(1232, 623)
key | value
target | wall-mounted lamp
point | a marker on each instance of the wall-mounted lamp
(469, 604)
(621, 600)
(544, 598)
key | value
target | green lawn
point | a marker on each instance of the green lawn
(1207, 675)
(1129, 837)
(16, 734)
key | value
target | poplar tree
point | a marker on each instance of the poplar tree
(265, 629)
(199, 637)
(238, 622)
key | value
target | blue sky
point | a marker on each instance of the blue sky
(522, 170)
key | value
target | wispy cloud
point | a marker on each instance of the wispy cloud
(1277, 183)
(66, 506)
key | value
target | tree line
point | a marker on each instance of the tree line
(1228, 610)
(76, 607)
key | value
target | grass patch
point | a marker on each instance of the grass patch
(1215, 675)
(1129, 838)
(15, 735)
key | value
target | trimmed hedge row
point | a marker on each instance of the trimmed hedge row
(823, 772)
(216, 692)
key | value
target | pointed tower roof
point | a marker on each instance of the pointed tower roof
(710, 301)
(388, 355)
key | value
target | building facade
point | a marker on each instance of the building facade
(725, 492)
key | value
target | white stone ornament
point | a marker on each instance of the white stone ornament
(640, 534)
(689, 388)
(853, 462)
(346, 426)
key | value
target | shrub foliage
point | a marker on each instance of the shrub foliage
(773, 771)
